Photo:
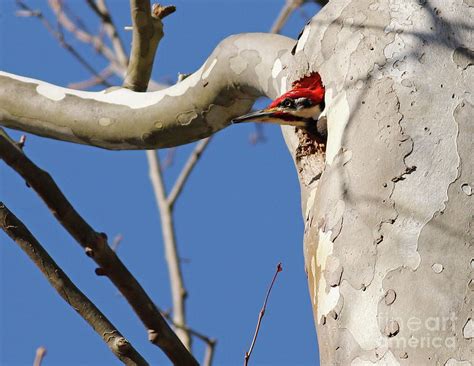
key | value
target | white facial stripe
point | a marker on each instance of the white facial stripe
(302, 100)
(312, 112)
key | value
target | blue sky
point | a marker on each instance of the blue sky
(237, 218)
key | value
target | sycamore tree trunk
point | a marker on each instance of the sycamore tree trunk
(388, 206)
(388, 227)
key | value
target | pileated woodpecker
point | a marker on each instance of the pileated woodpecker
(301, 106)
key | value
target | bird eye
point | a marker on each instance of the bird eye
(288, 103)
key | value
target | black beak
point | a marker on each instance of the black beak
(258, 116)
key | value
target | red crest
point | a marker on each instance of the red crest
(310, 86)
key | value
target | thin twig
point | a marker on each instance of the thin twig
(59, 37)
(186, 171)
(210, 342)
(289, 7)
(73, 15)
(209, 354)
(261, 314)
(193, 332)
(116, 242)
(96, 246)
(19, 233)
(169, 158)
(178, 290)
(80, 34)
(101, 9)
(40, 354)
(94, 81)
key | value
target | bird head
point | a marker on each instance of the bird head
(298, 107)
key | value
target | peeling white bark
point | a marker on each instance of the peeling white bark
(119, 118)
(388, 233)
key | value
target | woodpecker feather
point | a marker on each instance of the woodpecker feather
(301, 105)
(310, 87)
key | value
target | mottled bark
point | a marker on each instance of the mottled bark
(241, 69)
(388, 226)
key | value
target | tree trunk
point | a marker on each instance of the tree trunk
(388, 244)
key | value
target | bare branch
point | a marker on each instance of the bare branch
(59, 37)
(96, 246)
(289, 7)
(147, 34)
(96, 42)
(193, 109)
(186, 171)
(210, 342)
(40, 354)
(191, 331)
(161, 12)
(261, 314)
(101, 9)
(94, 81)
(209, 355)
(178, 290)
(116, 242)
(169, 158)
(18, 232)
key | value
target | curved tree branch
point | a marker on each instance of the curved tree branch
(241, 68)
